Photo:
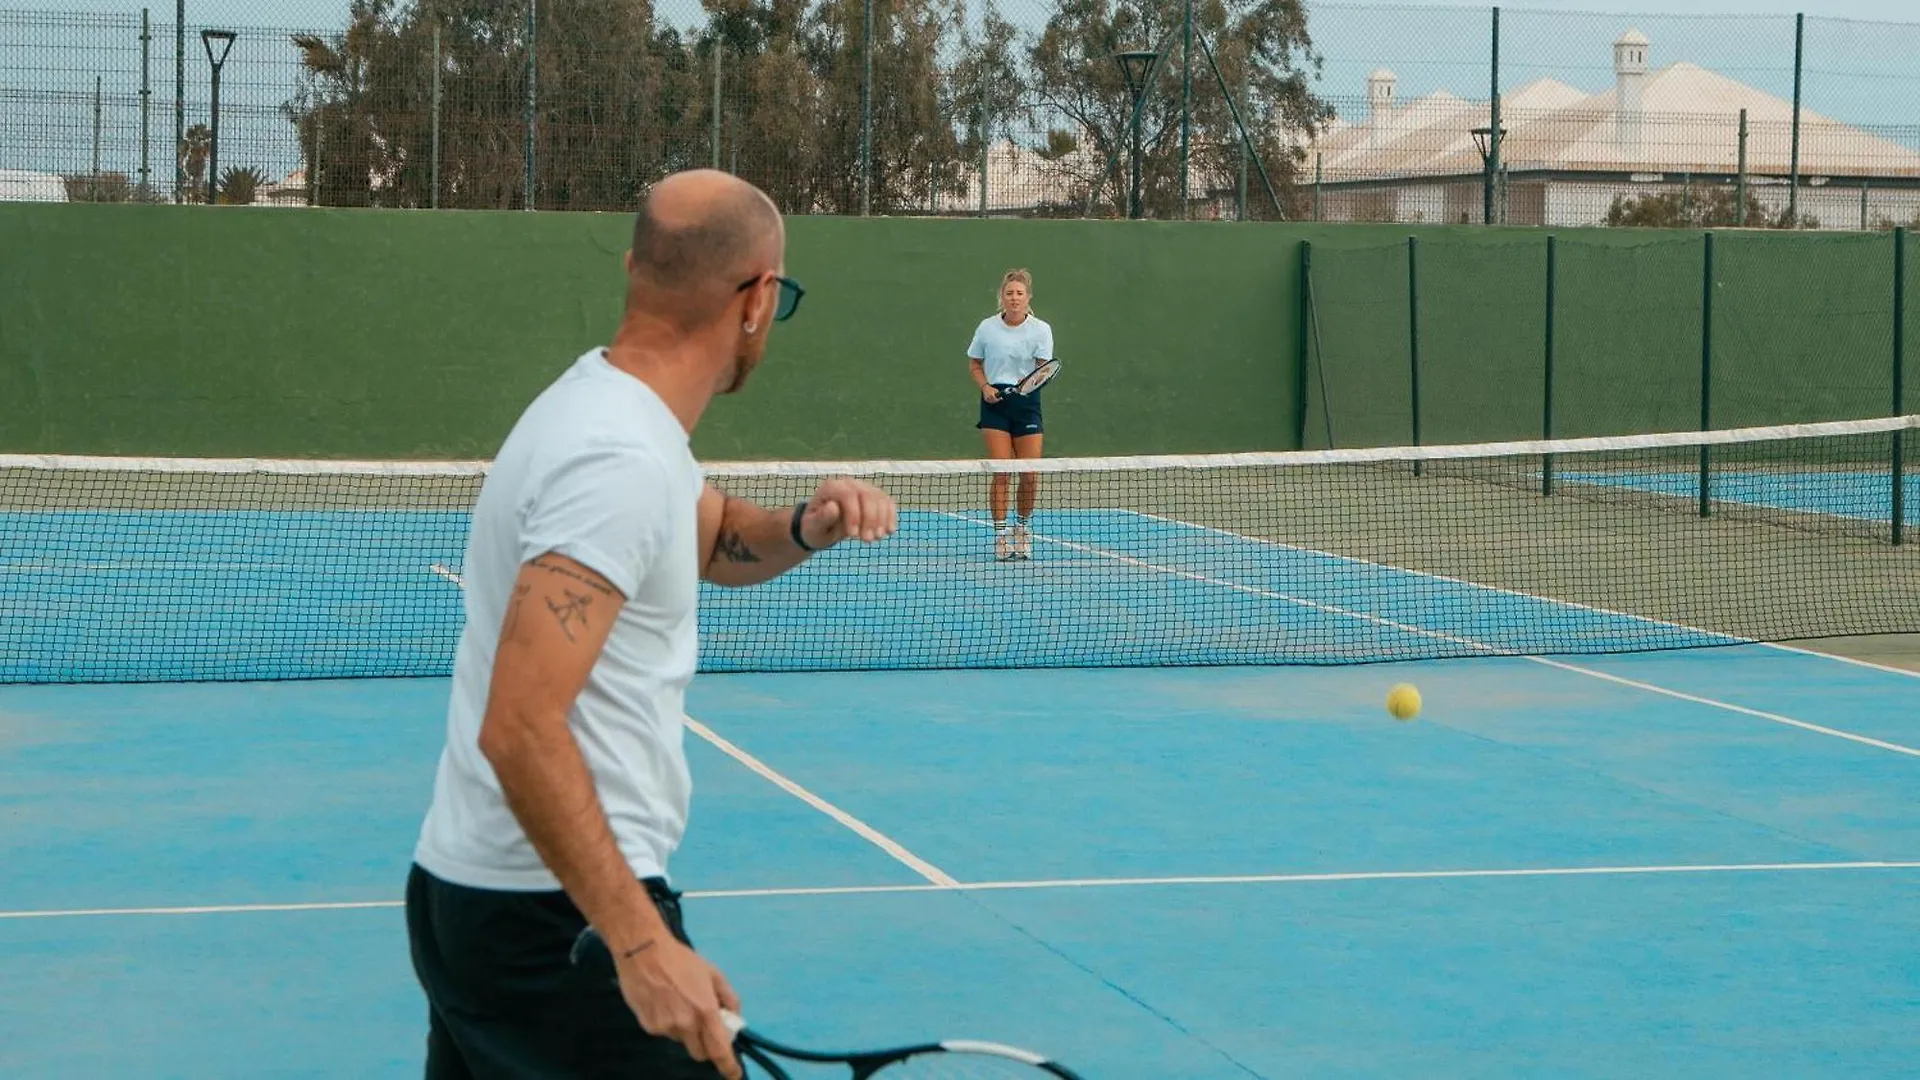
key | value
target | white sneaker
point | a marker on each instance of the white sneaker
(1022, 542)
(1003, 545)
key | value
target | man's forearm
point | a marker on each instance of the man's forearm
(755, 544)
(550, 790)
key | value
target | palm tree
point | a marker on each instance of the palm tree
(238, 186)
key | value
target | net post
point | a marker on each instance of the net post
(1300, 372)
(1413, 338)
(1706, 371)
(1546, 396)
(1899, 512)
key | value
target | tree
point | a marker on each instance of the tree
(913, 132)
(1694, 208)
(1265, 57)
(195, 145)
(796, 72)
(99, 187)
(612, 110)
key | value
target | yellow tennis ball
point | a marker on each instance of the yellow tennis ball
(1403, 701)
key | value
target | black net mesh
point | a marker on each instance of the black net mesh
(151, 570)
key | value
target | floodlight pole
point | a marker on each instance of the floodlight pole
(1136, 67)
(217, 43)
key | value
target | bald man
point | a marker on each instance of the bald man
(563, 787)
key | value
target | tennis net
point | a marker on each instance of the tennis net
(116, 569)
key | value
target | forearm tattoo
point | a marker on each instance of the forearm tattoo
(730, 545)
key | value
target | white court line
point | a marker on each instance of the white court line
(1039, 885)
(448, 574)
(865, 831)
(1729, 706)
(1480, 646)
(1733, 639)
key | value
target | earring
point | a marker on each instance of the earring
(748, 327)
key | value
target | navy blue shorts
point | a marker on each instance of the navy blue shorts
(1017, 416)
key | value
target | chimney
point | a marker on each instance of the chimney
(1380, 89)
(1629, 80)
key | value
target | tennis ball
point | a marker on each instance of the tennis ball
(1403, 701)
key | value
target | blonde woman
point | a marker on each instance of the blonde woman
(1006, 348)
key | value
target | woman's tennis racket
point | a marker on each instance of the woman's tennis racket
(1039, 377)
(954, 1059)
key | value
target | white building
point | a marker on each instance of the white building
(18, 185)
(1567, 155)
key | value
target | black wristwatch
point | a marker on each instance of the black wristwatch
(799, 511)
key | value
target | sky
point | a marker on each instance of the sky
(326, 12)
(1865, 73)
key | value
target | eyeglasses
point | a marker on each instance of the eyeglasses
(790, 294)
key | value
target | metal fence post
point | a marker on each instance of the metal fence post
(1706, 371)
(866, 112)
(533, 41)
(1899, 514)
(1740, 179)
(1793, 169)
(1546, 397)
(1493, 134)
(438, 63)
(93, 182)
(1303, 345)
(179, 100)
(1186, 108)
(719, 50)
(146, 104)
(1413, 340)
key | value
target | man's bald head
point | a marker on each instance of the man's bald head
(699, 235)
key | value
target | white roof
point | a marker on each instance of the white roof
(1688, 120)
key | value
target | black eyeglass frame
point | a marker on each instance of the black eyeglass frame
(790, 295)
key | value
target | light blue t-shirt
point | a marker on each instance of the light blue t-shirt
(599, 470)
(1010, 353)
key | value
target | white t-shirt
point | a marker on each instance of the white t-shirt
(1010, 353)
(599, 470)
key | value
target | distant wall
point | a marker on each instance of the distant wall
(410, 334)
(1802, 331)
(357, 333)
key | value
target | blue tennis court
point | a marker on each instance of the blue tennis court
(1699, 863)
(1861, 495)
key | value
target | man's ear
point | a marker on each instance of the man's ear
(629, 261)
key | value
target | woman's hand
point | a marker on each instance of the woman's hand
(990, 393)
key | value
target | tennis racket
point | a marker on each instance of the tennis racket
(953, 1059)
(1039, 377)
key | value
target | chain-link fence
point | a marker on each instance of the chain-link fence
(1155, 108)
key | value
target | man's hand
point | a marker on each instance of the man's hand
(844, 509)
(676, 994)
(990, 392)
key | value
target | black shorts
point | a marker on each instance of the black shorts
(1015, 415)
(504, 1000)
